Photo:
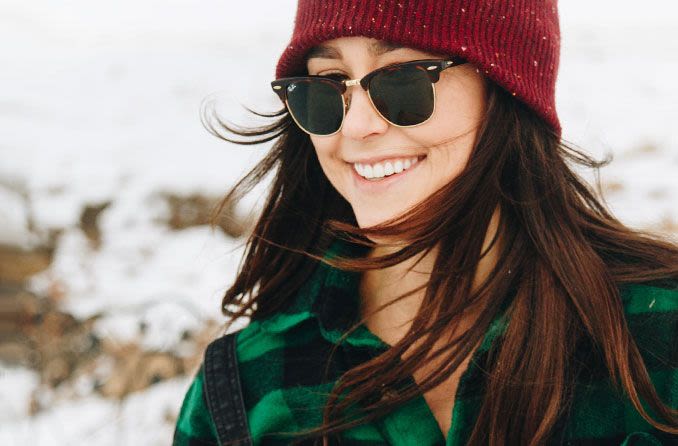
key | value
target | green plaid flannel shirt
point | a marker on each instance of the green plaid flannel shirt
(281, 361)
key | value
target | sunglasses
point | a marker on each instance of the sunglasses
(403, 94)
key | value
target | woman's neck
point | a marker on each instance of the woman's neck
(379, 287)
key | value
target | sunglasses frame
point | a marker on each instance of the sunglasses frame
(432, 67)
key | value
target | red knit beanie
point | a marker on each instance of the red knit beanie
(516, 43)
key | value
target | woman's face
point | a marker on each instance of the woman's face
(367, 139)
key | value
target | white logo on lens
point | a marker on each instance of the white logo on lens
(291, 87)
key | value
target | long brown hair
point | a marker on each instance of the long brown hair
(562, 257)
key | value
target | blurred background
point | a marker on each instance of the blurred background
(110, 278)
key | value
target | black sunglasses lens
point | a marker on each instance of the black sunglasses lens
(316, 106)
(403, 95)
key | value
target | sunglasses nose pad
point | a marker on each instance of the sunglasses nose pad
(347, 101)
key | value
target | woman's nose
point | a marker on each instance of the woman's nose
(361, 119)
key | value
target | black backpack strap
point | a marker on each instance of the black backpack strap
(223, 392)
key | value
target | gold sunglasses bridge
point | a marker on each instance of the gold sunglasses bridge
(347, 100)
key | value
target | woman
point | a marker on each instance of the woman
(428, 269)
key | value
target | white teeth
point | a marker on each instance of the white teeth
(380, 170)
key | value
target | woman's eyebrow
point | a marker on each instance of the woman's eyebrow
(329, 52)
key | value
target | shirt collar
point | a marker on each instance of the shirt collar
(331, 296)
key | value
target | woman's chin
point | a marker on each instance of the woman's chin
(374, 220)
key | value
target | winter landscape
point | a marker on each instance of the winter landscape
(110, 277)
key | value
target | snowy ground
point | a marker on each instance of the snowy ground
(99, 101)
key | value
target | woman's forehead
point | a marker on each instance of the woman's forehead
(336, 49)
(332, 49)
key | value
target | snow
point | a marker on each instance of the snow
(139, 419)
(99, 102)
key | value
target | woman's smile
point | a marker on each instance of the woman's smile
(376, 177)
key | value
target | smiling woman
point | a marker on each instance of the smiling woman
(428, 268)
(429, 155)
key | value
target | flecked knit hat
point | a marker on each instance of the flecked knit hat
(516, 43)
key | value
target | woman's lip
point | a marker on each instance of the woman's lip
(386, 158)
(376, 185)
